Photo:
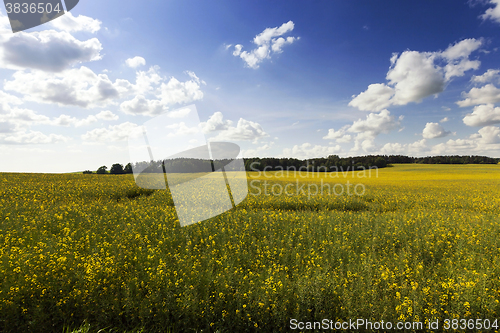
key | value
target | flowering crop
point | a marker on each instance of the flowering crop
(422, 243)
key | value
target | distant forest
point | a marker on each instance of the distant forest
(359, 162)
(330, 163)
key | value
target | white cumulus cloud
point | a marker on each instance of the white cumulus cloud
(485, 142)
(6, 100)
(487, 135)
(375, 98)
(258, 151)
(375, 124)
(33, 137)
(245, 130)
(135, 62)
(177, 92)
(165, 92)
(415, 75)
(483, 115)
(70, 23)
(418, 147)
(146, 81)
(17, 119)
(65, 120)
(490, 75)
(434, 130)
(107, 115)
(484, 95)
(48, 50)
(216, 122)
(492, 13)
(140, 105)
(393, 149)
(339, 136)
(307, 150)
(366, 130)
(111, 134)
(4, 24)
(267, 43)
(78, 87)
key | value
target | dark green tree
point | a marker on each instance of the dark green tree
(380, 162)
(128, 168)
(102, 170)
(116, 169)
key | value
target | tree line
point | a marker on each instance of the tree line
(454, 159)
(116, 169)
(189, 165)
(358, 162)
(178, 165)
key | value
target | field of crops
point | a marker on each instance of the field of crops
(409, 243)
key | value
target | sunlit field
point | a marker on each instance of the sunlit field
(91, 252)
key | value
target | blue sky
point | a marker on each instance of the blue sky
(279, 78)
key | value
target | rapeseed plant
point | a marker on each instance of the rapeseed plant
(420, 244)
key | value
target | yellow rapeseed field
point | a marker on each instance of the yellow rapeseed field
(413, 243)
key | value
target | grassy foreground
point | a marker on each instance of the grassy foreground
(421, 243)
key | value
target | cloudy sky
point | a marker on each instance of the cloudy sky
(279, 78)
